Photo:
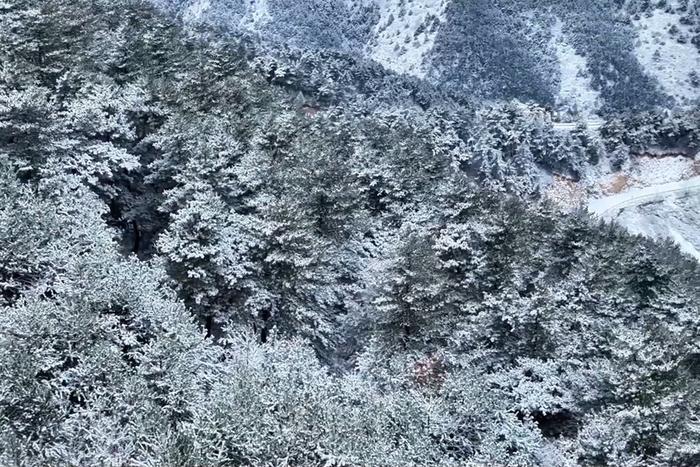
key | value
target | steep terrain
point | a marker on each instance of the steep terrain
(667, 47)
(583, 57)
(286, 233)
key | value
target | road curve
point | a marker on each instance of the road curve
(610, 206)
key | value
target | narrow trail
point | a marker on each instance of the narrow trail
(591, 123)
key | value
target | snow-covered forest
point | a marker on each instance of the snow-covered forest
(253, 234)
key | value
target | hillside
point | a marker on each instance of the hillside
(582, 57)
(264, 234)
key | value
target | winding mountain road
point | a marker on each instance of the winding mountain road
(610, 206)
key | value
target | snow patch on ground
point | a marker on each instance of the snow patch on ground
(664, 58)
(576, 92)
(649, 171)
(664, 211)
(258, 14)
(196, 10)
(405, 33)
(638, 172)
(688, 247)
(676, 218)
(251, 15)
(609, 206)
(658, 197)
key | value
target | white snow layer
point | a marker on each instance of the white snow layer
(669, 210)
(675, 219)
(258, 14)
(648, 171)
(195, 10)
(609, 206)
(666, 59)
(575, 90)
(406, 33)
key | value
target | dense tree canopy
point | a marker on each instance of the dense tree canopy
(197, 268)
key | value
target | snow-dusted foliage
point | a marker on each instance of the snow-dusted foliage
(590, 56)
(668, 48)
(405, 34)
(213, 253)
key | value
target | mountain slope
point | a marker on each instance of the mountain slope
(213, 255)
(495, 50)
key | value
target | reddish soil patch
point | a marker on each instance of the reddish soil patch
(310, 111)
(618, 185)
